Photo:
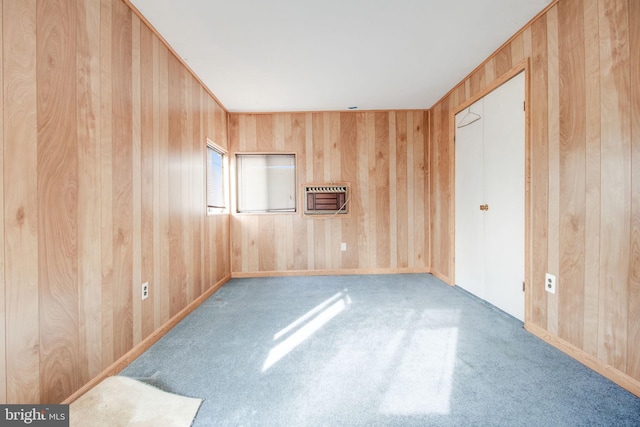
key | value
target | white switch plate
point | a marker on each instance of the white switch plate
(343, 246)
(145, 290)
(550, 283)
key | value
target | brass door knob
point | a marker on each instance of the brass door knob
(484, 207)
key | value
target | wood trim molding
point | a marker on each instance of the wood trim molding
(258, 113)
(482, 64)
(590, 361)
(144, 345)
(346, 272)
(522, 66)
(444, 278)
(517, 69)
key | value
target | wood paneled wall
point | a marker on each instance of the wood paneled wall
(384, 157)
(585, 177)
(102, 140)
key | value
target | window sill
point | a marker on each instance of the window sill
(217, 211)
(266, 213)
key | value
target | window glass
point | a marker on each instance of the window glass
(215, 178)
(266, 182)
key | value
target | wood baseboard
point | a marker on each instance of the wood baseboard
(240, 275)
(442, 277)
(590, 361)
(136, 351)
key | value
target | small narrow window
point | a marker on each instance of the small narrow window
(266, 183)
(216, 195)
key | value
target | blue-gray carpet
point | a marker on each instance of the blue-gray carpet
(387, 350)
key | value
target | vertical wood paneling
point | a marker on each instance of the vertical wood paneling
(298, 144)
(539, 170)
(553, 129)
(318, 147)
(371, 155)
(402, 226)
(186, 205)
(477, 82)
(419, 235)
(335, 165)
(156, 283)
(592, 182)
(136, 165)
(426, 131)
(89, 188)
(208, 223)
(572, 134)
(283, 250)
(335, 175)
(177, 262)
(149, 177)
(121, 71)
(182, 199)
(165, 281)
(411, 198)
(319, 248)
(57, 200)
(369, 150)
(349, 169)
(517, 50)
(328, 225)
(583, 112)
(616, 179)
(633, 357)
(264, 132)
(251, 233)
(503, 61)
(441, 191)
(490, 73)
(21, 201)
(3, 312)
(362, 197)
(381, 188)
(393, 191)
(265, 244)
(197, 212)
(84, 138)
(106, 180)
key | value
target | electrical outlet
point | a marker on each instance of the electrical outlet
(550, 283)
(145, 290)
(343, 246)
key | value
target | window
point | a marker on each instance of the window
(266, 182)
(216, 195)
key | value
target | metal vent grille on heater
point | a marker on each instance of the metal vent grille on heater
(326, 199)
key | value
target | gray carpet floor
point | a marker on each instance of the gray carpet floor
(385, 350)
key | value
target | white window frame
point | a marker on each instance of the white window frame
(212, 208)
(285, 202)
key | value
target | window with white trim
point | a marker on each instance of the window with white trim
(266, 183)
(216, 182)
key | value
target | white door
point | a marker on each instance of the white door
(497, 272)
(469, 234)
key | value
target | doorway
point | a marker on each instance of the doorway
(490, 197)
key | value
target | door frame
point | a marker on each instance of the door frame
(523, 66)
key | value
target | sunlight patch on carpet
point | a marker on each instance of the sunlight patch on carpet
(423, 381)
(307, 324)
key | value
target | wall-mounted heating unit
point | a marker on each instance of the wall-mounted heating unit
(326, 199)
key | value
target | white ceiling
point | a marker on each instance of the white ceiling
(322, 55)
